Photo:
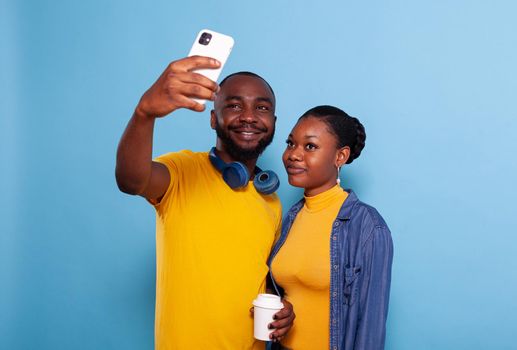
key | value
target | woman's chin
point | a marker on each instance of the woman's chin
(295, 182)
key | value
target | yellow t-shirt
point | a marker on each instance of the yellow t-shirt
(212, 244)
(302, 268)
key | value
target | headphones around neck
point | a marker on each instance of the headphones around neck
(236, 175)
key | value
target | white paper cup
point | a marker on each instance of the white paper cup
(266, 305)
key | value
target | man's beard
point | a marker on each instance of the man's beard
(242, 154)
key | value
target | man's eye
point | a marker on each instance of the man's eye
(233, 106)
(263, 108)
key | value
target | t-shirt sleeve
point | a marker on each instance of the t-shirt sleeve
(177, 164)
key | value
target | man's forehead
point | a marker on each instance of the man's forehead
(238, 85)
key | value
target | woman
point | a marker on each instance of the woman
(333, 258)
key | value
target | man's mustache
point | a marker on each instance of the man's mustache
(247, 126)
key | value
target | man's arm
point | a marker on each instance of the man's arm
(135, 172)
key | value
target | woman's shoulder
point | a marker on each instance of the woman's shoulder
(368, 213)
(365, 220)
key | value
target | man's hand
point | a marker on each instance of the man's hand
(283, 322)
(176, 87)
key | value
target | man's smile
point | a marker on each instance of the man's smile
(247, 133)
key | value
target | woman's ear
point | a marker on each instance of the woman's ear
(342, 156)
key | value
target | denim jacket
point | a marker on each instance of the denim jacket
(361, 254)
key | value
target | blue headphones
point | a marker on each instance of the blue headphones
(236, 175)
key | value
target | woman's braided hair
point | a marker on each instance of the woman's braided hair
(348, 130)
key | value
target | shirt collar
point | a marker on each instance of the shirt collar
(344, 213)
(346, 209)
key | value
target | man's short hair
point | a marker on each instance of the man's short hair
(249, 74)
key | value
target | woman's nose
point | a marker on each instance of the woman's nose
(295, 154)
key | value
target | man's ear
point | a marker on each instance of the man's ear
(212, 119)
(342, 156)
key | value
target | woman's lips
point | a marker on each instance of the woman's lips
(294, 170)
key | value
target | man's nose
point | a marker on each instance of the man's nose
(248, 115)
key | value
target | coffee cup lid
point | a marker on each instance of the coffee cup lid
(268, 301)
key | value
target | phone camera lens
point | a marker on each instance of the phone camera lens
(205, 38)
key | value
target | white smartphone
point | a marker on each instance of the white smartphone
(212, 44)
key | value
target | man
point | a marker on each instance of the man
(212, 241)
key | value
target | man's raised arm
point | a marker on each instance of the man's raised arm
(135, 172)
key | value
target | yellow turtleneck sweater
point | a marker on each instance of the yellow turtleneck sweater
(302, 268)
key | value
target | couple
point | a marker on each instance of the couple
(217, 245)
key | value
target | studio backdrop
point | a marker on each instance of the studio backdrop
(434, 83)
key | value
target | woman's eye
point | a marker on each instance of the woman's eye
(289, 144)
(310, 147)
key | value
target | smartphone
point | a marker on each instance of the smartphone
(212, 44)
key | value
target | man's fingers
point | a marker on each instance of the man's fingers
(185, 102)
(188, 64)
(198, 62)
(191, 91)
(177, 86)
(195, 78)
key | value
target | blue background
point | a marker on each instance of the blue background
(434, 82)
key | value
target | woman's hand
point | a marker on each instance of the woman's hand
(283, 322)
